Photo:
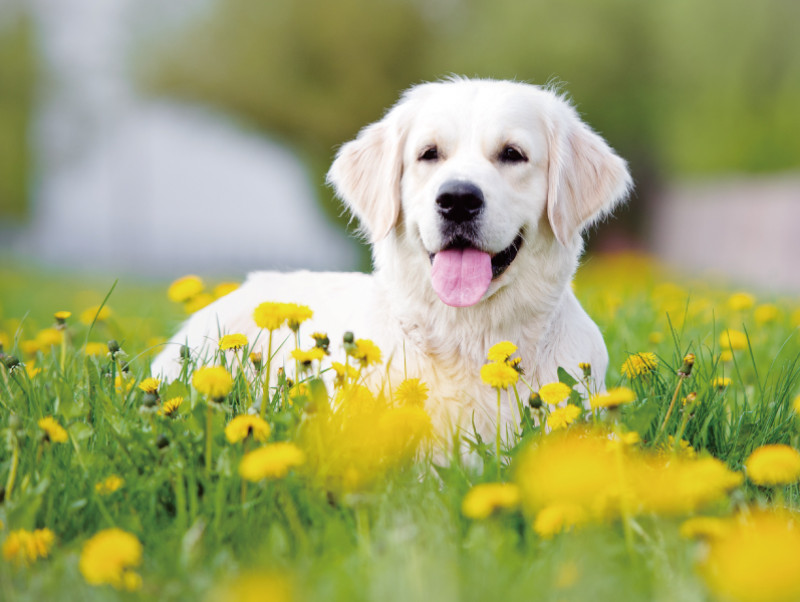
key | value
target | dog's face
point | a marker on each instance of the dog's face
(472, 167)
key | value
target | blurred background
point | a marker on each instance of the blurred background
(159, 138)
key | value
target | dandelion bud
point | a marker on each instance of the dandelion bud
(162, 441)
(113, 346)
(690, 399)
(688, 362)
(348, 338)
(150, 400)
(186, 353)
(586, 367)
(11, 361)
(321, 340)
(535, 401)
(256, 359)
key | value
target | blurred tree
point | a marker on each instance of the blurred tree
(679, 87)
(17, 71)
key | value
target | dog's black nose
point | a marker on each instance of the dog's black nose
(459, 201)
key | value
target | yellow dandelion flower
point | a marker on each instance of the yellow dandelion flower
(726, 356)
(213, 381)
(23, 547)
(270, 315)
(108, 557)
(756, 559)
(233, 341)
(306, 357)
(721, 382)
(150, 385)
(256, 358)
(498, 375)
(735, 340)
(342, 371)
(62, 316)
(185, 288)
(29, 347)
(109, 485)
(612, 398)
(296, 314)
(640, 363)
(500, 352)
(796, 404)
(562, 417)
(556, 518)
(272, 461)
(411, 391)
(773, 465)
(123, 384)
(223, 288)
(244, 425)
(654, 338)
(197, 303)
(254, 588)
(484, 500)
(88, 315)
(171, 406)
(741, 301)
(31, 370)
(704, 527)
(795, 319)
(54, 432)
(766, 313)
(367, 352)
(554, 393)
(49, 337)
(95, 349)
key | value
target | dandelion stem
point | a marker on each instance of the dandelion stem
(12, 474)
(265, 395)
(246, 382)
(681, 378)
(208, 438)
(497, 438)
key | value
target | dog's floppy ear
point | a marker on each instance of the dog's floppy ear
(366, 174)
(586, 178)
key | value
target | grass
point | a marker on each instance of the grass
(365, 519)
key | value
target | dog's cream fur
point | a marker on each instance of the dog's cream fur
(571, 178)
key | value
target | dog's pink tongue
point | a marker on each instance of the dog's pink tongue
(461, 276)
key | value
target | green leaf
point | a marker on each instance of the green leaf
(564, 377)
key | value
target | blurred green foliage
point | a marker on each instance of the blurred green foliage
(17, 72)
(679, 88)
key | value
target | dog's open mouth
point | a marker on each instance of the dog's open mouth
(461, 274)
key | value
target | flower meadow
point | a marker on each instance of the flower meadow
(678, 482)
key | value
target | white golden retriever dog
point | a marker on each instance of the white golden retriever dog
(474, 195)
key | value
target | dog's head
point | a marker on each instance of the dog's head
(473, 167)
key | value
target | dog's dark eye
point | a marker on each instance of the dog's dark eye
(429, 154)
(511, 154)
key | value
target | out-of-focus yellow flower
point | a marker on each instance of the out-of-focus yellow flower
(95, 349)
(23, 547)
(32, 370)
(654, 338)
(735, 340)
(741, 301)
(612, 398)
(88, 315)
(721, 382)
(562, 417)
(296, 314)
(273, 461)
(306, 357)
(150, 385)
(342, 370)
(244, 425)
(556, 518)
(109, 556)
(53, 431)
(223, 288)
(796, 404)
(411, 391)
(500, 352)
(270, 315)
(639, 363)
(62, 316)
(49, 337)
(109, 485)
(185, 288)
(765, 313)
(198, 302)
(487, 498)
(254, 588)
(795, 319)
(214, 382)
(499, 375)
(726, 356)
(773, 465)
(171, 406)
(123, 384)
(704, 527)
(554, 393)
(366, 352)
(756, 559)
(232, 341)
